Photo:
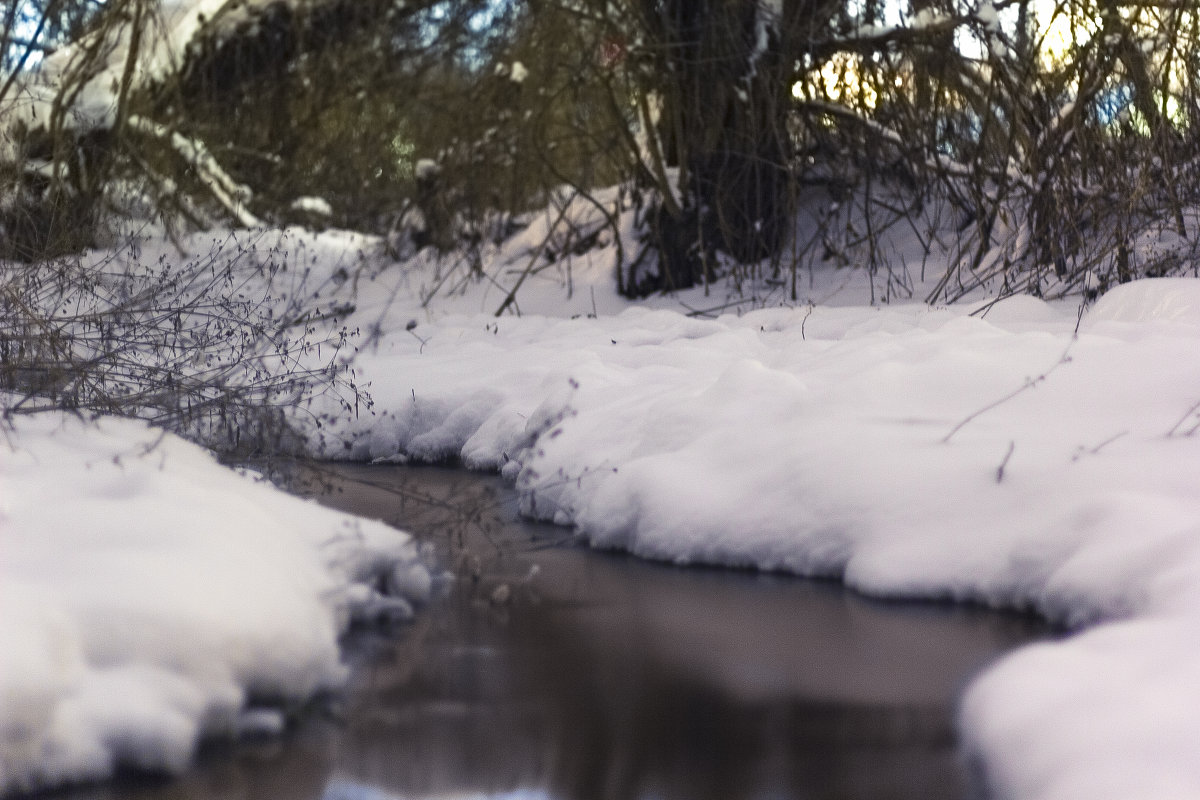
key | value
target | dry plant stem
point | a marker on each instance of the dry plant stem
(1012, 445)
(656, 158)
(1030, 383)
(189, 347)
(1189, 414)
(711, 313)
(537, 254)
(1092, 451)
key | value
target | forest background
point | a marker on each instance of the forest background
(1032, 143)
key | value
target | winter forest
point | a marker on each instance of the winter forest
(900, 296)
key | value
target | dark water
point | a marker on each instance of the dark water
(551, 671)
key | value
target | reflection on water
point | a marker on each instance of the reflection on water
(339, 789)
(551, 672)
(348, 790)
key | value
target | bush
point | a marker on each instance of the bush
(228, 348)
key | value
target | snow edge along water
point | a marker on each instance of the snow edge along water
(153, 598)
(1005, 458)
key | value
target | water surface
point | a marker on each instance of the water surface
(548, 670)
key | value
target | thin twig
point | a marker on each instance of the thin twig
(1029, 384)
(1012, 445)
(512, 294)
(1188, 415)
(1091, 451)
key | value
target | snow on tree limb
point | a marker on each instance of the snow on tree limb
(228, 192)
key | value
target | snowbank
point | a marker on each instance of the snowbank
(1011, 453)
(1003, 457)
(152, 597)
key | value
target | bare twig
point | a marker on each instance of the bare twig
(1012, 445)
(1030, 383)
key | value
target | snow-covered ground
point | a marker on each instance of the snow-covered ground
(1016, 453)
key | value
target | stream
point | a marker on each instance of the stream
(547, 670)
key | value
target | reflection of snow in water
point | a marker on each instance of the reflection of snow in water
(343, 789)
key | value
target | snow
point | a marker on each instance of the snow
(94, 66)
(313, 205)
(153, 598)
(988, 16)
(927, 18)
(426, 168)
(1015, 453)
(515, 72)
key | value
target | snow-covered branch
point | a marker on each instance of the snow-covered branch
(233, 196)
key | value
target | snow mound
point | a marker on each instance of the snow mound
(1150, 300)
(151, 595)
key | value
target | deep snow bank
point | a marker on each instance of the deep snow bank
(149, 594)
(911, 451)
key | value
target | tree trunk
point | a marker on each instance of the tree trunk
(726, 94)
